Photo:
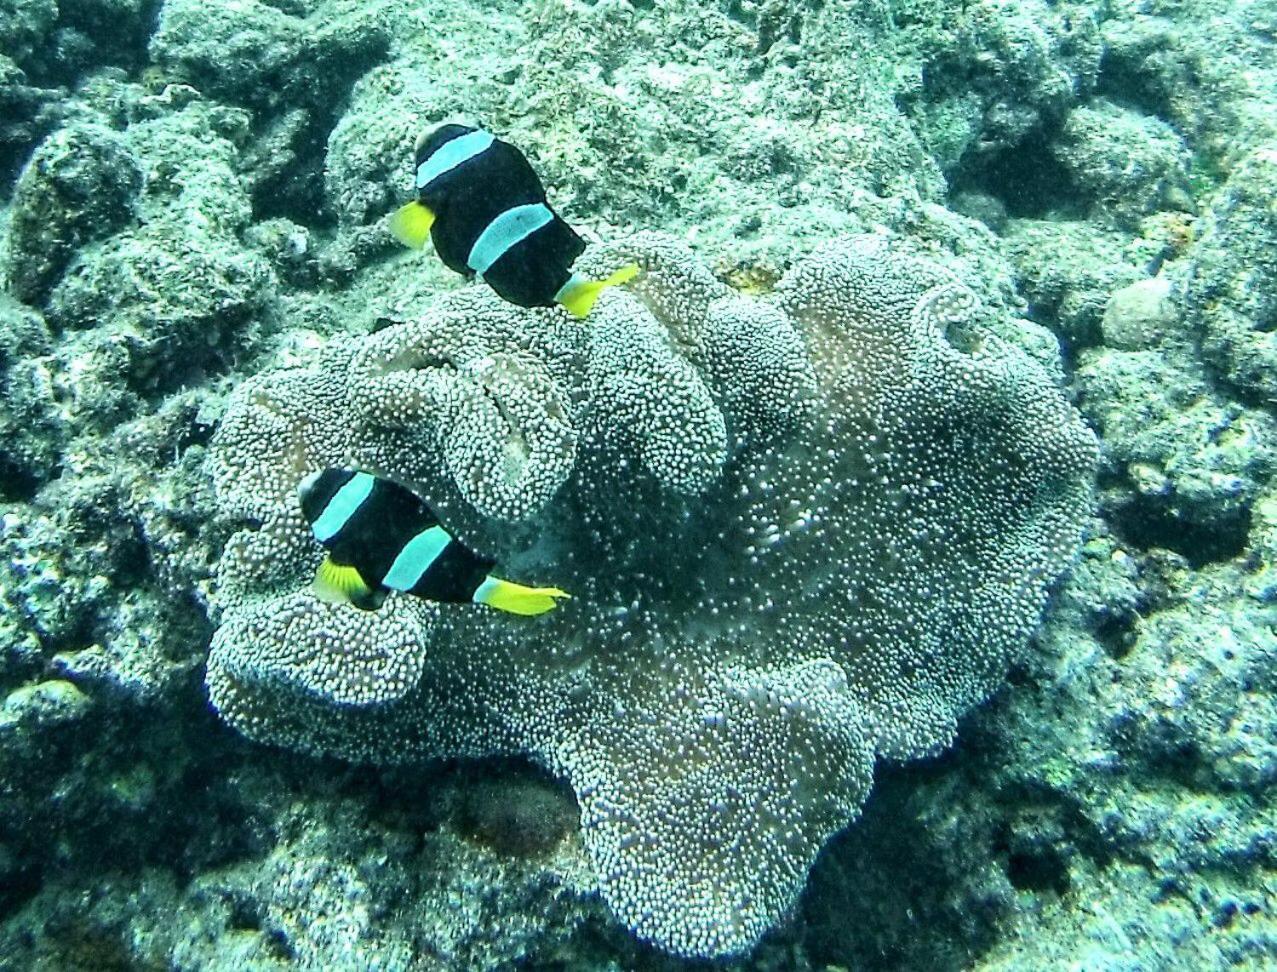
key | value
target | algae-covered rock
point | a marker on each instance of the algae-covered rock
(292, 65)
(115, 25)
(369, 152)
(1032, 64)
(38, 707)
(1158, 770)
(387, 875)
(1125, 165)
(1142, 315)
(27, 112)
(81, 185)
(1232, 284)
(1194, 462)
(265, 54)
(289, 247)
(166, 298)
(32, 429)
(24, 24)
(148, 290)
(1068, 272)
(105, 570)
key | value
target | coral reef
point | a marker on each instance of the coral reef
(32, 433)
(292, 70)
(1129, 163)
(82, 183)
(192, 195)
(1231, 290)
(851, 576)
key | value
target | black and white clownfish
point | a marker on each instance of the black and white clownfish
(381, 536)
(484, 208)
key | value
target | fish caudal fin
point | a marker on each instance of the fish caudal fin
(514, 598)
(411, 224)
(578, 295)
(338, 584)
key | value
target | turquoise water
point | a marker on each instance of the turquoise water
(912, 482)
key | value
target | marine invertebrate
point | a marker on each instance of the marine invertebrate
(803, 532)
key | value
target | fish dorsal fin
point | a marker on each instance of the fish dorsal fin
(411, 224)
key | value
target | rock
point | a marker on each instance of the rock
(1231, 280)
(161, 301)
(38, 707)
(24, 24)
(1141, 315)
(1192, 462)
(81, 185)
(1122, 164)
(1068, 270)
(32, 430)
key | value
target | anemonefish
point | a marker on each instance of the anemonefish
(484, 208)
(381, 536)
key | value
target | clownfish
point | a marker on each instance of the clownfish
(381, 536)
(481, 204)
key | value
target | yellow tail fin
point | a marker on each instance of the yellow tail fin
(516, 599)
(411, 224)
(579, 297)
(338, 584)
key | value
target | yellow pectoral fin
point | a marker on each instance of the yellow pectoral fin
(338, 584)
(516, 599)
(411, 224)
(578, 296)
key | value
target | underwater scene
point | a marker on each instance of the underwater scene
(656, 485)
